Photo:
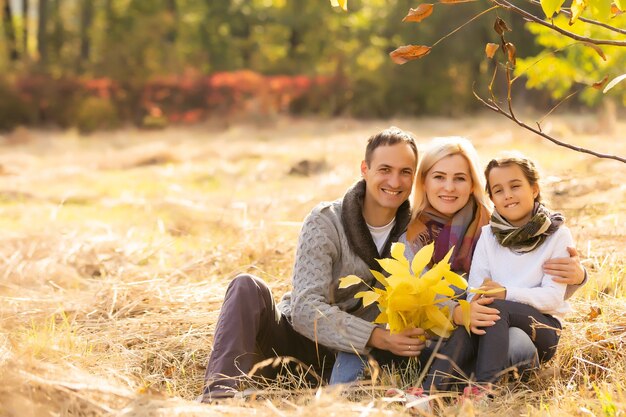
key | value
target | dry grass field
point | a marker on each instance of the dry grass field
(116, 250)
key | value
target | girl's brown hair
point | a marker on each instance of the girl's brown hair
(527, 166)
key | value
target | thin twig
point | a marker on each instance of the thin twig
(465, 24)
(557, 105)
(505, 4)
(493, 106)
(542, 57)
(509, 85)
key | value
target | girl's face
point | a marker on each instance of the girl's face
(512, 194)
(448, 184)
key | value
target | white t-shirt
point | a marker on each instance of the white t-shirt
(381, 233)
(522, 274)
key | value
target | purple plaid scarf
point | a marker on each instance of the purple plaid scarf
(461, 231)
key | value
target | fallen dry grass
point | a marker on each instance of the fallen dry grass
(117, 249)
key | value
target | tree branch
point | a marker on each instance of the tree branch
(590, 21)
(492, 105)
(506, 5)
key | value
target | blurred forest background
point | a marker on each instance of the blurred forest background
(97, 64)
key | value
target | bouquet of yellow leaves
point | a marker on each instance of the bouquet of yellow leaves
(412, 297)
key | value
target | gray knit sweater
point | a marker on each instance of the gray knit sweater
(335, 242)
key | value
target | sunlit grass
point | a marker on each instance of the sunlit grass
(115, 256)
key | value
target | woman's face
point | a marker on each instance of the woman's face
(448, 184)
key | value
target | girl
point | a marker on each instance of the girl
(521, 235)
(450, 207)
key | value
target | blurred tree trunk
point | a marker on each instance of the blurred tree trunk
(42, 47)
(86, 18)
(58, 35)
(172, 10)
(9, 30)
(25, 4)
(214, 44)
(171, 56)
(607, 116)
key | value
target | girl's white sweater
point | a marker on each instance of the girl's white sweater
(522, 274)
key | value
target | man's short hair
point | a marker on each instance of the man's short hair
(388, 137)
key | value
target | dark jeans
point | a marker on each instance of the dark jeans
(250, 329)
(487, 354)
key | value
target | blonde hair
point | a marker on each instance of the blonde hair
(438, 149)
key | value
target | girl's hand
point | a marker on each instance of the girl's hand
(566, 270)
(481, 315)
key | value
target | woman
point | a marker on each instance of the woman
(449, 209)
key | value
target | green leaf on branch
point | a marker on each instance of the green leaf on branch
(340, 3)
(614, 82)
(419, 14)
(550, 7)
(407, 53)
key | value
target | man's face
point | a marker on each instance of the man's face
(389, 177)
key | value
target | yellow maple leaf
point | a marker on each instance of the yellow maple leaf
(379, 277)
(349, 281)
(397, 253)
(422, 258)
(368, 297)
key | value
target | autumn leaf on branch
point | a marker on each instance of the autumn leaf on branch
(407, 53)
(614, 82)
(550, 7)
(419, 14)
(510, 52)
(599, 84)
(490, 49)
(596, 48)
(578, 7)
(600, 9)
(340, 3)
(500, 26)
(455, 1)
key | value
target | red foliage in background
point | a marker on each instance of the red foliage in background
(188, 98)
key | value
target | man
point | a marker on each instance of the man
(317, 318)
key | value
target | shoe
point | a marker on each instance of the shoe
(476, 393)
(249, 394)
(414, 399)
